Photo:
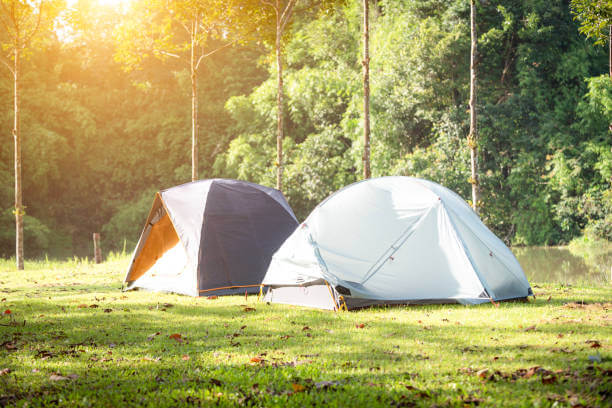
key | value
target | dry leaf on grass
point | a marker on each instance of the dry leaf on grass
(58, 377)
(152, 337)
(360, 325)
(593, 343)
(177, 337)
(297, 387)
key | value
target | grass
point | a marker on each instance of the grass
(74, 339)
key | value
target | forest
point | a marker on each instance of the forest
(105, 125)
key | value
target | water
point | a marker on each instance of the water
(569, 265)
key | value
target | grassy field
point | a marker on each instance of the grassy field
(72, 338)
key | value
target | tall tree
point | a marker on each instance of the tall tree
(366, 91)
(473, 136)
(21, 22)
(154, 28)
(282, 11)
(595, 18)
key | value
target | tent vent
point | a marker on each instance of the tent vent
(343, 291)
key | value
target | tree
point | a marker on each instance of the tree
(21, 21)
(366, 91)
(595, 18)
(473, 136)
(283, 11)
(154, 30)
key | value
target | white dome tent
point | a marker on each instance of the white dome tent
(393, 240)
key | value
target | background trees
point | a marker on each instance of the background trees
(21, 21)
(103, 139)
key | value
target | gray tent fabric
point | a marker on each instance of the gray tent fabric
(218, 238)
(394, 240)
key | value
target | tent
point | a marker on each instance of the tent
(210, 237)
(393, 240)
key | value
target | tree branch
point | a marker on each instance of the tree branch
(286, 16)
(269, 3)
(212, 52)
(29, 37)
(7, 64)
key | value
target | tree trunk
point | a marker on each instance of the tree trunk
(194, 107)
(18, 193)
(280, 110)
(473, 136)
(610, 51)
(97, 248)
(366, 92)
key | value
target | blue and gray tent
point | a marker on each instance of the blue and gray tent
(210, 237)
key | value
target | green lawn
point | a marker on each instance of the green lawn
(74, 339)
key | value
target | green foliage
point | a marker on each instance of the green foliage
(99, 141)
(124, 227)
(595, 18)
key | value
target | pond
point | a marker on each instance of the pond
(569, 265)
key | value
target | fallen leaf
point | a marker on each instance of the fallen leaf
(595, 344)
(168, 305)
(108, 310)
(177, 337)
(57, 377)
(212, 297)
(4, 371)
(549, 379)
(322, 385)
(82, 306)
(216, 382)
(360, 325)
(484, 373)
(285, 337)
(531, 372)
(185, 357)
(3, 300)
(530, 328)
(154, 359)
(151, 337)
(256, 360)
(305, 328)
(94, 306)
(297, 387)
(249, 309)
(560, 335)
(7, 312)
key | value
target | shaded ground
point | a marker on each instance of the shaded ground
(72, 338)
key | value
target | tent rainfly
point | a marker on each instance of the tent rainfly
(393, 240)
(210, 237)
